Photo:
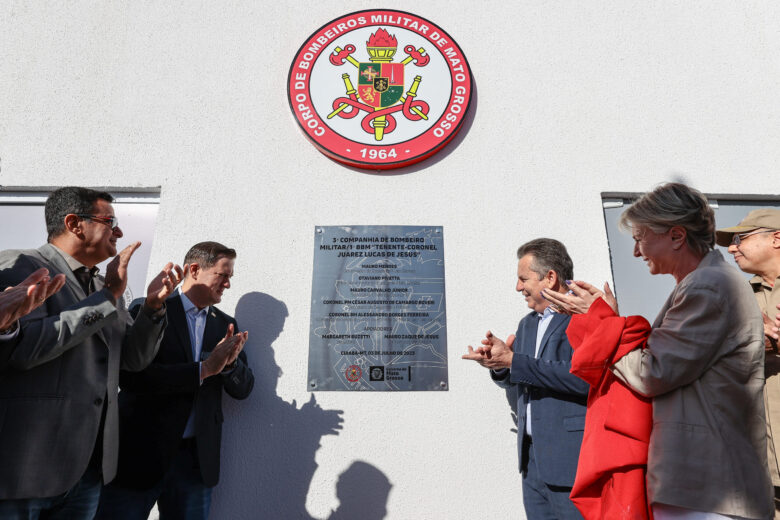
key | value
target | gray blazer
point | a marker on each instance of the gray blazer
(55, 380)
(704, 368)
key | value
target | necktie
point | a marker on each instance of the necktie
(84, 276)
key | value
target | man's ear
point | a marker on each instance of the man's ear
(776, 239)
(194, 270)
(678, 234)
(73, 225)
(552, 278)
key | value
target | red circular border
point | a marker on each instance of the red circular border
(357, 369)
(422, 146)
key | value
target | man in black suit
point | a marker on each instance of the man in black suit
(171, 412)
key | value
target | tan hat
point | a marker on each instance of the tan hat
(756, 219)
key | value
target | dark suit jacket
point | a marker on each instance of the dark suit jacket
(56, 379)
(154, 404)
(557, 398)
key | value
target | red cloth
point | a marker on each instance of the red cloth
(610, 482)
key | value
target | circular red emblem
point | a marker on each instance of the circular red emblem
(353, 373)
(379, 89)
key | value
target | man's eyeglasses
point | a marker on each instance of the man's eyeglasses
(737, 238)
(111, 222)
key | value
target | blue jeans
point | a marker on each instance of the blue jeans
(180, 495)
(78, 503)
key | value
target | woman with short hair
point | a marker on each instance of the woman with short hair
(702, 365)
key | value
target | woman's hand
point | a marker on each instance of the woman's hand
(580, 297)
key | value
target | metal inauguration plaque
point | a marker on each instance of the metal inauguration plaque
(378, 319)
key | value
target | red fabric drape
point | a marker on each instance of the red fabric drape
(610, 482)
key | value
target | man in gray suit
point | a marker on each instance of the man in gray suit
(59, 378)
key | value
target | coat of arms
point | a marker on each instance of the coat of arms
(380, 90)
(404, 91)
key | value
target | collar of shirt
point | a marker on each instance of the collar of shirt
(73, 263)
(545, 319)
(547, 314)
(758, 281)
(190, 307)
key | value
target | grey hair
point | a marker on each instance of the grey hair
(548, 255)
(674, 204)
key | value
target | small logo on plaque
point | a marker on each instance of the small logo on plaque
(377, 374)
(380, 89)
(353, 373)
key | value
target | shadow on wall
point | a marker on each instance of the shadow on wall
(362, 491)
(268, 444)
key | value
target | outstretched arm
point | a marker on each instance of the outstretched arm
(20, 300)
(580, 297)
(50, 330)
(143, 337)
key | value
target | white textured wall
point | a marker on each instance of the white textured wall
(572, 99)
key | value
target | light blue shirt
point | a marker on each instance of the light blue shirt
(196, 324)
(544, 322)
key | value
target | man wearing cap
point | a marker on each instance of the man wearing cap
(755, 244)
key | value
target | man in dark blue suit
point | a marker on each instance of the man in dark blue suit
(550, 400)
(170, 414)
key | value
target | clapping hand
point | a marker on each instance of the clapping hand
(116, 270)
(163, 285)
(22, 299)
(225, 353)
(580, 297)
(494, 353)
